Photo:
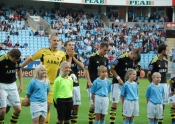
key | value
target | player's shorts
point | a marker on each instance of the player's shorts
(115, 94)
(101, 104)
(76, 96)
(130, 108)
(40, 113)
(38, 109)
(154, 110)
(171, 99)
(50, 94)
(166, 93)
(11, 95)
(64, 108)
(90, 95)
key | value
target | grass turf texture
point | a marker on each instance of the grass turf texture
(25, 117)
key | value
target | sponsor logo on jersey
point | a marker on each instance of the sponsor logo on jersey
(126, 69)
(150, 67)
(6, 66)
(162, 70)
(10, 71)
(115, 62)
(53, 62)
(97, 61)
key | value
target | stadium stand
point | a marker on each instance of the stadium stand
(86, 30)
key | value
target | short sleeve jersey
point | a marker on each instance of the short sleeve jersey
(74, 67)
(62, 88)
(173, 82)
(37, 91)
(51, 60)
(101, 87)
(157, 65)
(93, 63)
(8, 69)
(121, 65)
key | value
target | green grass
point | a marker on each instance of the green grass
(25, 117)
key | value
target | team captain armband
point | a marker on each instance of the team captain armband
(150, 68)
(115, 63)
(86, 64)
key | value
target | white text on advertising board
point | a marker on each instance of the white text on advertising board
(170, 25)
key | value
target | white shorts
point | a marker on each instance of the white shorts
(37, 114)
(38, 109)
(130, 108)
(10, 95)
(101, 104)
(115, 94)
(171, 99)
(76, 96)
(90, 95)
(166, 93)
(154, 110)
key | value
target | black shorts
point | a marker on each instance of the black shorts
(64, 108)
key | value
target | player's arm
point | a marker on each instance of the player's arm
(80, 64)
(172, 88)
(123, 92)
(36, 56)
(114, 73)
(19, 73)
(148, 94)
(86, 72)
(151, 69)
(26, 62)
(93, 98)
(147, 100)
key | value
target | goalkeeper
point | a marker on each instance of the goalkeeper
(74, 59)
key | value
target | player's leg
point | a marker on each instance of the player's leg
(128, 110)
(91, 114)
(151, 121)
(165, 100)
(102, 119)
(76, 102)
(35, 120)
(97, 118)
(104, 109)
(8, 107)
(159, 113)
(13, 98)
(42, 118)
(60, 109)
(172, 112)
(131, 121)
(3, 104)
(68, 109)
(50, 101)
(135, 111)
(115, 98)
(151, 112)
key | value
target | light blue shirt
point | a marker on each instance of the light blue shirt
(37, 91)
(155, 93)
(101, 87)
(130, 91)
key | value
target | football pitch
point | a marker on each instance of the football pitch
(25, 117)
